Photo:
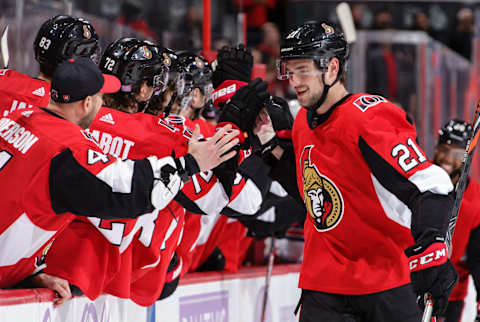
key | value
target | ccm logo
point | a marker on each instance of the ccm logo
(428, 258)
(224, 91)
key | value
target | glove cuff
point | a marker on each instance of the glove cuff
(225, 91)
(421, 258)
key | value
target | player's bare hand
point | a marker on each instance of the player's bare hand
(58, 285)
(263, 127)
(216, 149)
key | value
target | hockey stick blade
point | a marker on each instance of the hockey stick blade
(344, 15)
(460, 189)
(4, 47)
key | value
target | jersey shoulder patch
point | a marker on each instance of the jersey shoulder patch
(364, 102)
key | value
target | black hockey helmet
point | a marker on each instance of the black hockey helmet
(63, 37)
(134, 61)
(456, 132)
(197, 73)
(319, 41)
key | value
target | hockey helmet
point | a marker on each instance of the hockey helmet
(456, 132)
(134, 61)
(63, 37)
(197, 73)
(316, 40)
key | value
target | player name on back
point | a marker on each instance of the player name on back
(16, 135)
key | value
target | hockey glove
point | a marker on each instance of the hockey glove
(233, 63)
(173, 277)
(244, 106)
(226, 173)
(280, 114)
(432, 272)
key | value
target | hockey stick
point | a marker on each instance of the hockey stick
(271, 257)
(4, 47)
(460, 189)
(344, 15)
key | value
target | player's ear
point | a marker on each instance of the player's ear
(333, 69)
(87, 104)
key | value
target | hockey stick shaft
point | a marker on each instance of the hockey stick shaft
(460, 189)
(271, 257)
(4, 48)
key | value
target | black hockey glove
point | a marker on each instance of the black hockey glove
(280, 114)
(432, 273)
(244, 106)
(233, 63)
(226, 172)
(215, 262)
(172, 278)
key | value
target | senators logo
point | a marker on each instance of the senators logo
(328, 29)
(86, 32)
(322, 198)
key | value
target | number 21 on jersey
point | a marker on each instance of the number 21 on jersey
(405, 159)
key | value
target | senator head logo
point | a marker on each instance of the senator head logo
(322, 198)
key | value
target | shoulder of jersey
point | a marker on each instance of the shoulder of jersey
(36, 91)
(362, 108)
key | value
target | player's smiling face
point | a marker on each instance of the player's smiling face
(305, 79)
(449, 157)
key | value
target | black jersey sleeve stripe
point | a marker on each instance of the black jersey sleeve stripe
(75, 189)
(188, 204)
(429, 210)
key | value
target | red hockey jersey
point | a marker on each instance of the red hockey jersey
(468, 219)
(19, 91)
(44, 166)
(147, 244)
(362, 176)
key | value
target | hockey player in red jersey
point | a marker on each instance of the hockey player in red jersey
(144, 260)
(368, 189)
(69, 168)
(58, 38)
(449, 151)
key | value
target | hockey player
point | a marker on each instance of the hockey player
(222, 249)
(58, 38)
(144, 260)
(449, 151)
(368, 189)
(69, 168)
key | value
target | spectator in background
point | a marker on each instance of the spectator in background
(382, 76)
(191, 29)
(256, 12)
(131, 16)
(461, 38)
(267, 53)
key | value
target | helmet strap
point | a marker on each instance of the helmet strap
(312, 116)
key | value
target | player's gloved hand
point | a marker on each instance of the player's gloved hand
(234, 63)
(173, 277)
(280, 114)
(226, 173)
(432, 272)
(244, 106)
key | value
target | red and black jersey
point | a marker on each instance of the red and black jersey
(49, 169)
(19, 91)
(468, 220)
(146, 244)
(368, 188)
